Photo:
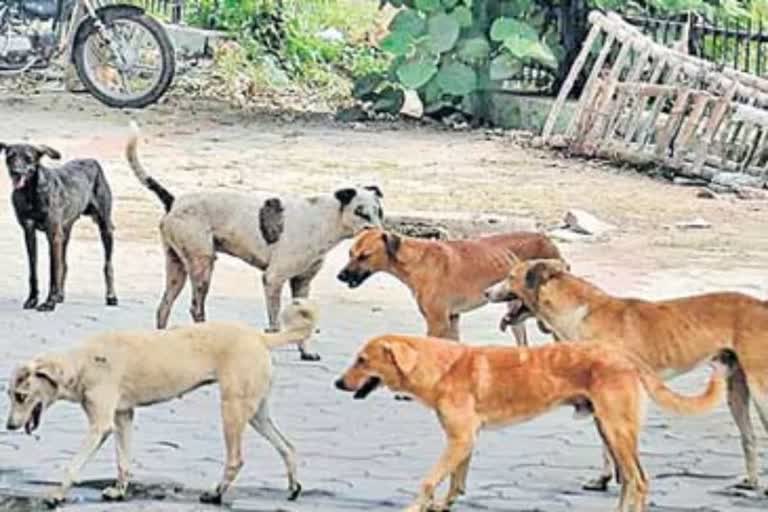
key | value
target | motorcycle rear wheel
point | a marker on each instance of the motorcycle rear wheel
(122, 58)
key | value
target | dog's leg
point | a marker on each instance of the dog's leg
(264, 425)
(758, 387)
(64, 263)
(30, 240)
(460, 435)
(600, 483)
(457, 488)
(273, 287)
(56, 257)
(100, 418)
(455, 322)
(107, 241)
(738, 403)
(175, 279)
(200, 271)
(521, 335)
(439, 322)
(300, 290)
(621, 439)
(123, 433)
(233, 418)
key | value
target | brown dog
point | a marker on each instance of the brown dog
(471, 388)
(446, 278)
(670, 336)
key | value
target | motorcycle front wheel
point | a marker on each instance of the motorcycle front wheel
(127, 61)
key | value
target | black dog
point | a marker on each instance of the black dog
(51, 200)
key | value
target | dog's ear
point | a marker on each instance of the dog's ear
(403, 356)
(49, 152)
(539, 274)
(345, 195)
(376, 190)
(392, 244)
(49, 372)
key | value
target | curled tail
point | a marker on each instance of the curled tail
(299, 320)
(148, 181)
(686, 405)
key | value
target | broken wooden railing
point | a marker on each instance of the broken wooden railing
(646, 103)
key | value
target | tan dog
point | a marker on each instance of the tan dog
(471, 388)
(670, 336)
(446, 278)
(113, 373)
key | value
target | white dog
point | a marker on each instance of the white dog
(285, 236)
(113, 373)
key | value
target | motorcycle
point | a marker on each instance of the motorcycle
(122, 56)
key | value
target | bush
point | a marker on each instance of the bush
(454, 52)
(319, 44)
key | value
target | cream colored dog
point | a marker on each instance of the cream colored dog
(474, 388)
(113, 373)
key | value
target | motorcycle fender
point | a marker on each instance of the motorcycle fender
(106, 14)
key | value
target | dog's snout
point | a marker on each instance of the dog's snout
(340, 384)
(343, 276)
(10, 425)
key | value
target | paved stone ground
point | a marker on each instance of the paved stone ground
(359, 455)
(355, 455)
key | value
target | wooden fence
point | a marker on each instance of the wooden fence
(646, 103)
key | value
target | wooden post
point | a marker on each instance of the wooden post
(573, 74)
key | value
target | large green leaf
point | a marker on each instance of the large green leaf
(450, 3)
(408, 22)
(416, 72)
(504, 66)
(474, 50)
(504, 28)
(396, 43)
(463, 16)
(428, 5)
(530, 49)
(431, 92)
(457, 78)
(443, 32)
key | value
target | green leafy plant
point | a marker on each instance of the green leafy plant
(454, 52)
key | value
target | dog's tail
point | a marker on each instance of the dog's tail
(299, 320)
(148, 181)
(687, 405)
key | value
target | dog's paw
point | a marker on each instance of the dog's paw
(747, 484)
(114, 493)
(599, 484)
(31, 302)
(310, 356)
(211, 498)
(59, 298)
(54, 499)
(48, 305)
(294, 492)
(111, 301)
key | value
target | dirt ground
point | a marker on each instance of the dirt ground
(360, 455)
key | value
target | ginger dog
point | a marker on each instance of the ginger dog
(471, 388)
(114, 373)
(670, 336)
(446, 278)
